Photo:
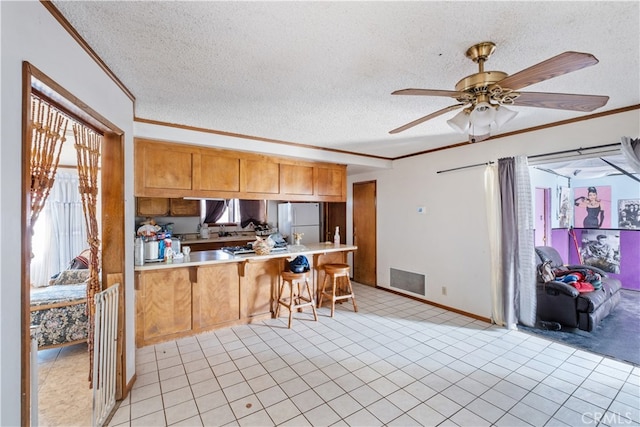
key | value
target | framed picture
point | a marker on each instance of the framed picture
(601, 249)
(629, 213)
(592, 207)
(564, 207)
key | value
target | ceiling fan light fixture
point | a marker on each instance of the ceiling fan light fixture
(504, 115)
(460, 122)
(483, 115)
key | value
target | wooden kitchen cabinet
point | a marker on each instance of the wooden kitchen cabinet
(163, 304)
(162, 169)
(259, 287)
(332, 182)
(216, 295)
(172, 170)
(260, 175)
(182, 207)
(218, 171)
(296, 180)
(152, 206)
(162, 206)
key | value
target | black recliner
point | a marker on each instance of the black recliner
(562, 303)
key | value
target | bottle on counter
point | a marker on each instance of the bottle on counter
(138, 254)
(168, 251)
(204, 231)
(336, 236)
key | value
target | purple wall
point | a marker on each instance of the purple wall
(629, 253)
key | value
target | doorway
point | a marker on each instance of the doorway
(364, 233)
(542, 231)
(111, 219)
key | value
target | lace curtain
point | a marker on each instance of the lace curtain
(88, 144)
(517, 242)
(631, 151)
(60, 233)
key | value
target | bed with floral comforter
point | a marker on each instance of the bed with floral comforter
(60, 310)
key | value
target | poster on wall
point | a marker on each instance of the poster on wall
(592, 207)
(629, 213)
(564, 207)
(601, 249)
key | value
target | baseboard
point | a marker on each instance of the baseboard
(435, 304)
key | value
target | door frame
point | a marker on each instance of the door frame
(113, 239)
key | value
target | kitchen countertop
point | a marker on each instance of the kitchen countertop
(218, 256)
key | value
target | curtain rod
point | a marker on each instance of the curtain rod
(465, 167)
(575, 150)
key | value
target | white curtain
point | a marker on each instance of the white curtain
(492, 192)
(517, 243)
(631, 151)
(60, 233)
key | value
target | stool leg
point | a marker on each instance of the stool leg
(280, 299)
(353, 296)
(291, 303)
(334, 281)
(311, 300)
(324, 285)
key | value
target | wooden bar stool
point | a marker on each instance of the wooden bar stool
(296, 299)
(340, 289)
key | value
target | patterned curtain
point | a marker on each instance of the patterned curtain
(517, 242)
(88, 145)
(48, 127)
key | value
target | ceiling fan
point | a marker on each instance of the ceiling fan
(483, 95)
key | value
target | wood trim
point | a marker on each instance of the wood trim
(70, 104)
(78, 38)
(112, 209)
(254, 138)
(25, 312)
(531, 129)
(435, 304)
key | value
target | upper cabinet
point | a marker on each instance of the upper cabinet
(162, 169)
(174, 170)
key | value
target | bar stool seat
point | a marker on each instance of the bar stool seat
(337, 275)
(296, 299)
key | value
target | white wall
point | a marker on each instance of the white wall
(449, 244)
(30, 33)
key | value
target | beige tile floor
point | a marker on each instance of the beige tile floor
(64, 396)
(397, 362)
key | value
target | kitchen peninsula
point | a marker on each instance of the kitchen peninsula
(214, 289)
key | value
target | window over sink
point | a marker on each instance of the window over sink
(233, 211)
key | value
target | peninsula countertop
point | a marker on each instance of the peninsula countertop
(219, 256)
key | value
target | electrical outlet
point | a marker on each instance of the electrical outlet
(444, 290)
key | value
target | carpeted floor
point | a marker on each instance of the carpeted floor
(617, 336)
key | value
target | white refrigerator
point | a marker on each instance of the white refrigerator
(299, 218)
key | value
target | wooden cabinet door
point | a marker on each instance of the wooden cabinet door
(259, 287)
(216, 295)
(296, 180)
(163, 169)
(182, 207)
(219, 172)
(332, 182)
(152, 206)
(163, 304)
(260, 176)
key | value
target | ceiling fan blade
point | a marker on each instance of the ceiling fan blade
(427, 117)
(428, 92)
(560, 101)
(564, 63)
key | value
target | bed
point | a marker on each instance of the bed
(60, 310)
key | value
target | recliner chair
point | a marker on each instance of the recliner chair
(562, 303)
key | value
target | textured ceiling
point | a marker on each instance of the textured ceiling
(321, 73)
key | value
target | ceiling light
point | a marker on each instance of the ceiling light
(503, 115)
(481, 119)
(460, 122)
